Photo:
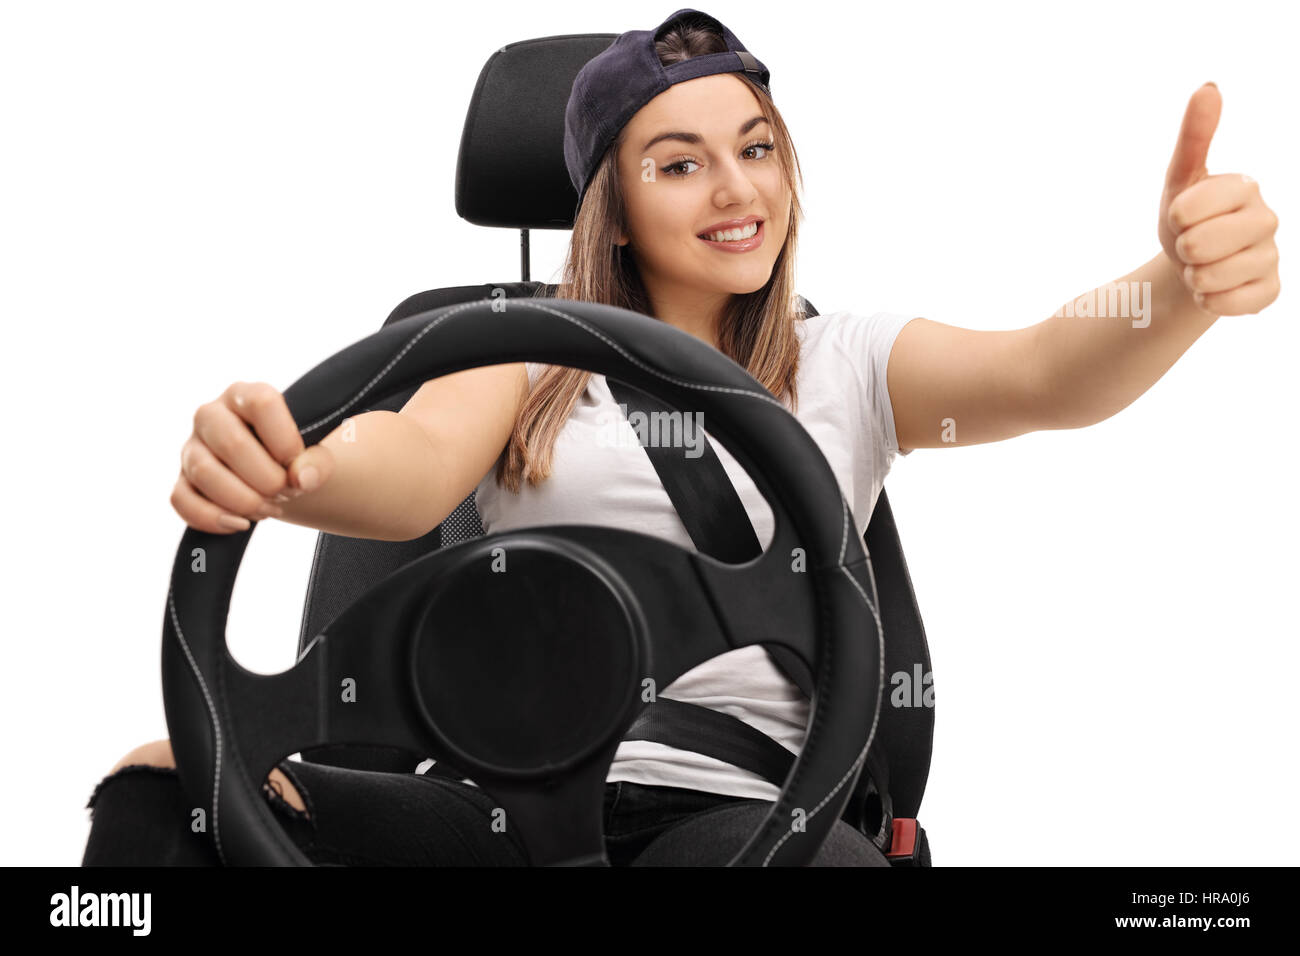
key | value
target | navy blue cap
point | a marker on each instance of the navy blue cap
(612, 86)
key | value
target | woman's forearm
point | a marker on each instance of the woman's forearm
(1103, 349)
(383, 484)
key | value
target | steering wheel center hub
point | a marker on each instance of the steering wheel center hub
(528, 657)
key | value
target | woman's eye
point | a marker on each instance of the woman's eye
(668, 170)
(763, 146)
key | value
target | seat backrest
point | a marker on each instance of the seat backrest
(510, 173)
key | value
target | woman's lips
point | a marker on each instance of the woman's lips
(740, 245)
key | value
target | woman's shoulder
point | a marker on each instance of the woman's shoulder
(856, 331)
(853, 330)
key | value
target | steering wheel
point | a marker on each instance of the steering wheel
(527, 680)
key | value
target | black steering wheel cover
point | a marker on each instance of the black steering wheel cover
(779, 454)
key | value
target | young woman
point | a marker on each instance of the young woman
(689, 214)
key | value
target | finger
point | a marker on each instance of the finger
(212, 479)
(1212, 196)
(316, 463)
(1200, 120)
(230, 439)
(200, 513)
(1238, 269)
(1223, 236)
(264, 408)
(1245, 299)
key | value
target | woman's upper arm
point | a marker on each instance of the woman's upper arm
(952, 386)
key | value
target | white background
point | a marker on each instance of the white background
(198, 194)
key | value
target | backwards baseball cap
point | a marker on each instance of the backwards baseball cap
(612, 86)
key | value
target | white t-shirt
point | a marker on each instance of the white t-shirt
(605, 478)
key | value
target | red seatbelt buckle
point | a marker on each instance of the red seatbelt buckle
(908, 846)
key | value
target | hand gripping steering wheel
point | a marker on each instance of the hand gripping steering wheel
(527, 680)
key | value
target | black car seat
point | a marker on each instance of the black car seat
(511, 174)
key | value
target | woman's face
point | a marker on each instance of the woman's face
(715, 165)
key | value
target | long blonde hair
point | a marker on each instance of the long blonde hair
(757, 330)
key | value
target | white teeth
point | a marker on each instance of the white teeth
(733, 235)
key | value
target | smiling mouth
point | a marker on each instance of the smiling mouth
(739, 234)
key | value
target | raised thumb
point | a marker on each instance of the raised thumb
(1200, 120)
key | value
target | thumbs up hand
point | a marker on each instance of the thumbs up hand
(1216, 230)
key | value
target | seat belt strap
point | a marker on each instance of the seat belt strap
(729, 739)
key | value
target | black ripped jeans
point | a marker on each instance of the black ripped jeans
(141, 817)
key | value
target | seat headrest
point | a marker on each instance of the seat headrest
(510, 171)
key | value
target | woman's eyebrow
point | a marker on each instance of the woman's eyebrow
(695, 138)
